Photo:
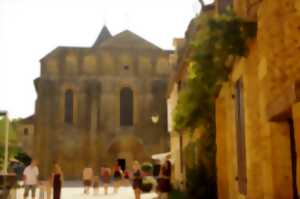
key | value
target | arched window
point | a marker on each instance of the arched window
(69, 101)
(126, 107)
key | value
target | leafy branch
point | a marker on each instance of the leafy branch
(220, 42)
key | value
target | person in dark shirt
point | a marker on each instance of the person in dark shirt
(164, 181)
(118, 176)
(136, 179)
(57, 180)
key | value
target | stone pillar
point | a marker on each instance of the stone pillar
(94, 117)
(296, 119)
(94, 94)
(92, 133)
(281, 160)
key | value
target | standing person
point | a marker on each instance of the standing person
(96, 185)
(136, 179)
(126, 177)
(46, 188)
(118, 175)
(87, 177)
(57, 180)
(164, 183)
(30, 176)
(105, 174)
(42, 189)
(49, 187)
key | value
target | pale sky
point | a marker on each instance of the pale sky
(29, 29)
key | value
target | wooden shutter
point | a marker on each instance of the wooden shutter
(240, 137)
(181, 152)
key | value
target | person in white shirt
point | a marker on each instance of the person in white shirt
(87, 177)
(31, 174)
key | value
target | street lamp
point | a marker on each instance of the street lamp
(5, 115)
(155, 118)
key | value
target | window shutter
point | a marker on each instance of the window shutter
(240, 137)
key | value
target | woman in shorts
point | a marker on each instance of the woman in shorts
(136, 180)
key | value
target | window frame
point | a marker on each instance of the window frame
(69, 106)
(126, 113)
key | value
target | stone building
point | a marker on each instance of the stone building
(258, 109)
(25, 131)
(94, 105)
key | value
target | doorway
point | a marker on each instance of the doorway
(122, 164)
(293, 159)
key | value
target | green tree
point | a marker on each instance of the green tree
(13, 139)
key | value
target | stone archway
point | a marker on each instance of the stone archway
(127, 147)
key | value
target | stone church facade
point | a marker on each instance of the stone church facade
(101, 104)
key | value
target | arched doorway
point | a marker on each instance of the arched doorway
(127, 148)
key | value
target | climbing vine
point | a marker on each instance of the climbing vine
(220, 41)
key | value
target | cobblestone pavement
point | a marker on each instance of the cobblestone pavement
(77, 193)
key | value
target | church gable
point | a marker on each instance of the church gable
(124, 54)
(128, 39)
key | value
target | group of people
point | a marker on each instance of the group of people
(106, 175)
(164, 180)
(31, 182)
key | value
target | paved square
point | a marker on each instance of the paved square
(77, 193)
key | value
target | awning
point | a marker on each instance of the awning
(161, 156)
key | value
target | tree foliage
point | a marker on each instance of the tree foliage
(12, 130)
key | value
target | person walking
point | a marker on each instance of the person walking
(118, 175)
(136, 179)
(87, 177)
(105, 174)
(164, 181)
(30, 176)
(96, 185)
(57, 180)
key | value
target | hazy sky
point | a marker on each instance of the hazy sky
(29, 29)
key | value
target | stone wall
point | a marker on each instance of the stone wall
(26, 134)
(70, 62)
(270, 74)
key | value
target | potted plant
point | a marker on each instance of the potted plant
(148, 182)
(147, 169)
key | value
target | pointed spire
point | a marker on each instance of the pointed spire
(104, 34)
